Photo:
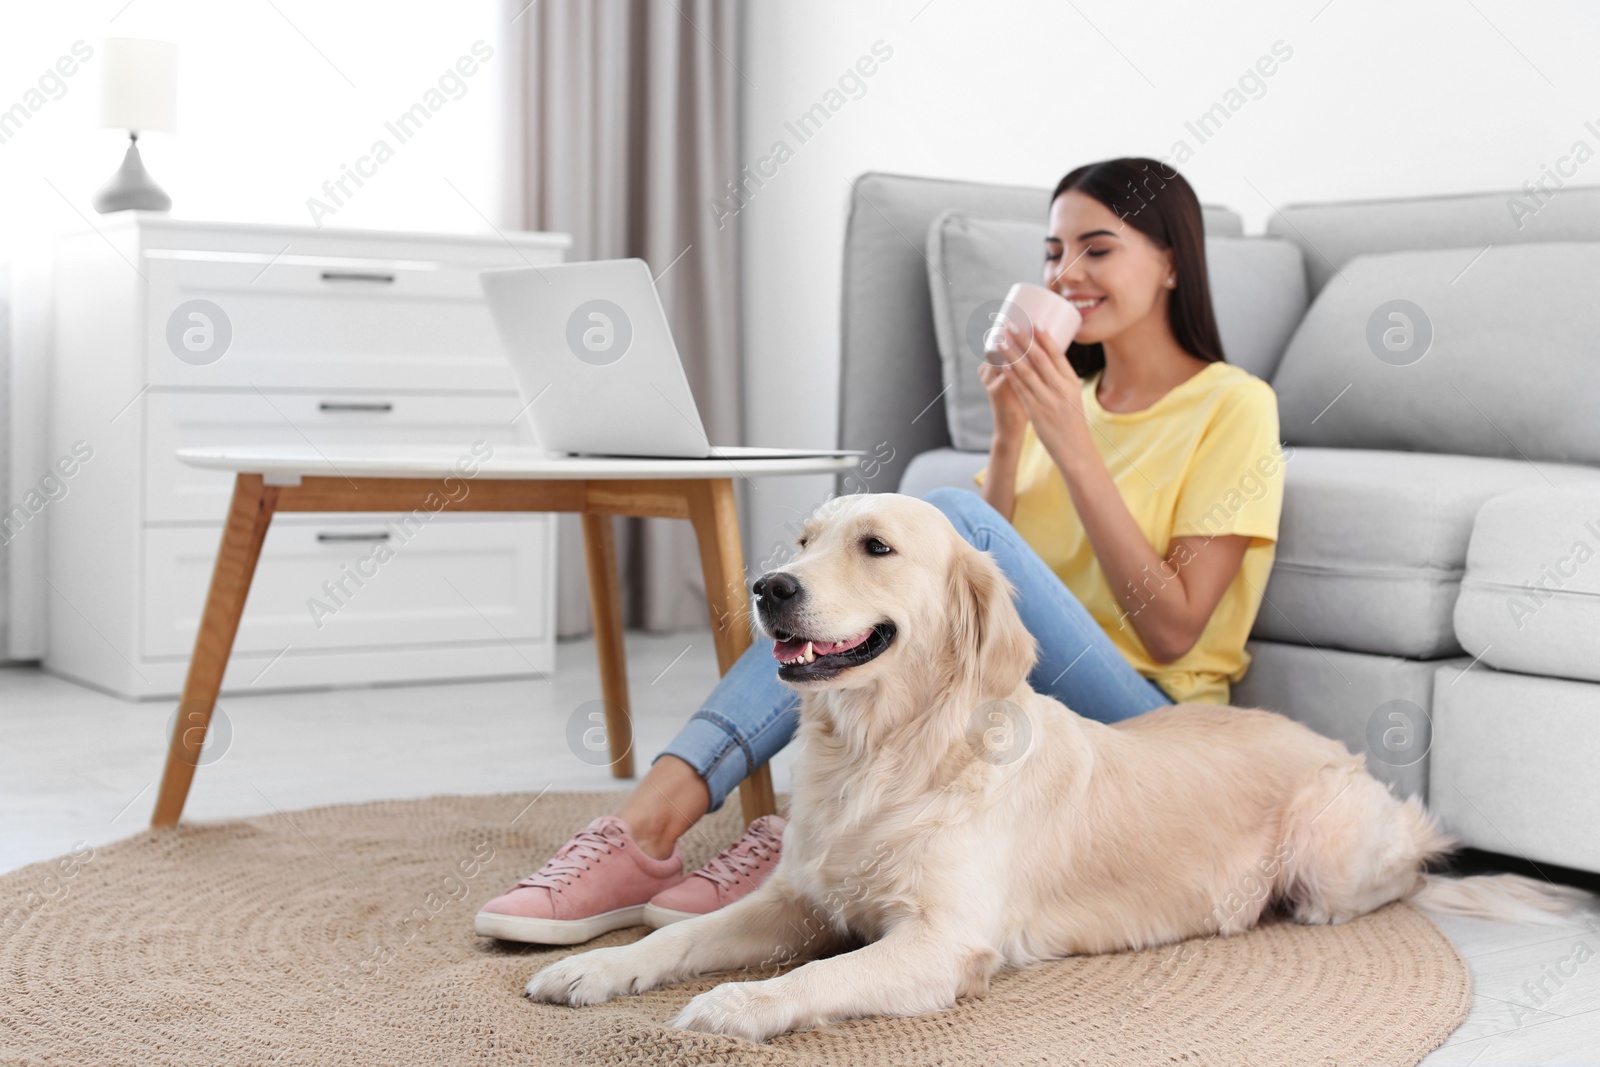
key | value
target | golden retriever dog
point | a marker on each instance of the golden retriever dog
(947, 821)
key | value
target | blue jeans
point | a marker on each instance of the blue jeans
(750, 715)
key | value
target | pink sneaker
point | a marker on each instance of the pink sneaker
(734, 872)
(562, 905)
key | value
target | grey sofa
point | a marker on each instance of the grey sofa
(1435, 599)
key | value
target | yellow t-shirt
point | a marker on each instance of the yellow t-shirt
(1204, 460)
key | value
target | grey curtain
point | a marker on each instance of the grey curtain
(629, 112)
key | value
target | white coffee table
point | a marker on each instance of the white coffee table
(389, 478)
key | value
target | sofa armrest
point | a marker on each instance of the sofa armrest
(1530, 597)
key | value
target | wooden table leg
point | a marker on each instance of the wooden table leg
(605, 604)
(248, 518)
(716, 527)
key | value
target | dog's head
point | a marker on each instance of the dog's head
(883, 585)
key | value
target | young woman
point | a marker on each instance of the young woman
(1132, 496)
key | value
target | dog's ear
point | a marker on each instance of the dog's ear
(990, 644)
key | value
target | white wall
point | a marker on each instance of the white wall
(1378, 99)
(273, 101)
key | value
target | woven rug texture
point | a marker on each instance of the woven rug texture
(343, 935)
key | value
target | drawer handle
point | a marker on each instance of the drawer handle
(341, 405)
(356, 276)
(371, 535)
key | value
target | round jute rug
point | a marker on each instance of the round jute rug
(343, 935)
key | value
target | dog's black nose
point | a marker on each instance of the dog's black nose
(777, 585)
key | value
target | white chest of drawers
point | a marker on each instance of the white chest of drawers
(171, 333)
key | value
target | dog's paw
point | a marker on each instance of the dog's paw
(750, 1010)
(588, 978)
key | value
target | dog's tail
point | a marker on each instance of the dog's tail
(1504, 897)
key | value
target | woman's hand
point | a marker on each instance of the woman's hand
(1010, 416)
(1050, 390)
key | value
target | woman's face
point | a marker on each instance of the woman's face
(1113, 274)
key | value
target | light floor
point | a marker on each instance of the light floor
(77, 765)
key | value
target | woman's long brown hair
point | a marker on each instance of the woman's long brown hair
(1155, 199)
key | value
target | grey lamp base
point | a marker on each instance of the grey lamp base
(131, 188)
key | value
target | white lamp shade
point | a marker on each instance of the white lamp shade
(139, 90)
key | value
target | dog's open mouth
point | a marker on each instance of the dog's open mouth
(807, 659)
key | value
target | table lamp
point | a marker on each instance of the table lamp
(138, 94)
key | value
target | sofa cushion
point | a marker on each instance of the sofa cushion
(1465, 351)
(942, 466)
(1257, 291)
(1530, 600)
(972, 262)
(1372, 546)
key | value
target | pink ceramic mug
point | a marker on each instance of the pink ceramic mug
(1030, 309)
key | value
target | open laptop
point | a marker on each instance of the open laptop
(597, 366)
